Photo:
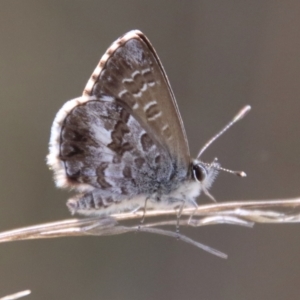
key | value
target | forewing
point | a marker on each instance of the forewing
(131, 72)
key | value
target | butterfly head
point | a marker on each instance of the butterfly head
(205, 174)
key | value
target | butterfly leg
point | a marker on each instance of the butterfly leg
(144, 211)
(194, 203)
(144, 214)
(185, 202)
(179, 213)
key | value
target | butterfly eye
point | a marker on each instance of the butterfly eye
(199, 172)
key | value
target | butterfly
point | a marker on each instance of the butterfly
(122, 143)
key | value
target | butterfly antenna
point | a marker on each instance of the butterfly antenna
(240, 115)
(238, 173)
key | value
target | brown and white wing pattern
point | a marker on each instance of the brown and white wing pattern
(131, 71)
(124, 138)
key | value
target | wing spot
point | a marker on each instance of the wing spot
(107, 98)
(122, 93)
(110, 51)
(152, 111)
(148, 75)
(101, 175)
(144, 88)
(146, 142)
(137, 95)
(127, 80)
(139, 162)
(124, 115)
(145, 71)
(102, 63)
(167, 132)
(157, 159)
(135, 73)
(127, 172)
(148, 105)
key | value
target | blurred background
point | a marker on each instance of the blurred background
(219, 55)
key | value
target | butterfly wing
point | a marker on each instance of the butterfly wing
(131, 71)
(124, 137)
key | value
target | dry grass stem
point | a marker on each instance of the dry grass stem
(244, 213)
